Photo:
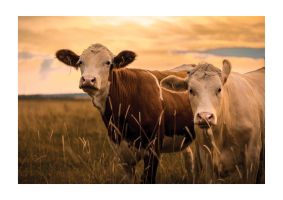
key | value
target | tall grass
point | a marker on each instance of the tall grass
(65, 141)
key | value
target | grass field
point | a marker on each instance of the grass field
(65, 141)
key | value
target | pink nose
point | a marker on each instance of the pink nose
(87, 82)
(205, 118)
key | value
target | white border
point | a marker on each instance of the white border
(271, 9)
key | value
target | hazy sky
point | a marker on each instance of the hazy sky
(160, 43)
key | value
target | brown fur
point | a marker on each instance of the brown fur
(133, 87)
(138, 89)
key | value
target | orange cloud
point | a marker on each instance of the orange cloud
(152, 38)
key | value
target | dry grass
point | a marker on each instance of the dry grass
(65, 141)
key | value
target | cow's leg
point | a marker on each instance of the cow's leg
(252, 166)
(205, 157)
(130, 170)
(261, 172)
(128, 159)
(252, 155)
(207, 170)
(151, 160)
(189, 163)
(152, 153)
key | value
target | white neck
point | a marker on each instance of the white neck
(99, 98)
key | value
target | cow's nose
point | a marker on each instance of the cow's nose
(88, 81)
(205, 118)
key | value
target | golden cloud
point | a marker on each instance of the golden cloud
(152, 38)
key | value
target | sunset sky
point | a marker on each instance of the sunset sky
(160, 43)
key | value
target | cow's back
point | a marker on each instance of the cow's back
(257, 80)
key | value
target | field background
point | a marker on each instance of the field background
(65, 141)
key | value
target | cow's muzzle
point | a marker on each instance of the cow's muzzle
(205, 120)
(88, 83)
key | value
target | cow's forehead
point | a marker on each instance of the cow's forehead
(205, 72)
(204, 78)
(95, 49)
(205, 69)
(204, 75)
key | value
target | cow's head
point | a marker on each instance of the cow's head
(95, 64)
(204, 84)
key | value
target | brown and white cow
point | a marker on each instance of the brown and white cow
(229, 116)
(142, 119)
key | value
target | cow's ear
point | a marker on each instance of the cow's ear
(191, 69)
(226, 70)
(123, 59)
(68, 57)
(174, 83)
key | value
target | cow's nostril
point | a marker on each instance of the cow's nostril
(199, 116)
(93, 80)
(210, 116)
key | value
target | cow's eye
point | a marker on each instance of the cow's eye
(80, 63)
(218, 90)
(107, 62)
(192, 92)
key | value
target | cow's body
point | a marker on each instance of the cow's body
(229, 122)
(137, 110)
(142, 120)
(239, 133)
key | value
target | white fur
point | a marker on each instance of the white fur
(94, 65)
(99, 98)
